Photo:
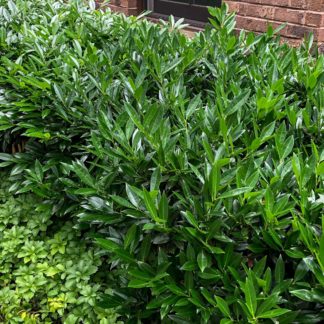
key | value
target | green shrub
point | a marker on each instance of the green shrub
(196, 164)
(47, 271)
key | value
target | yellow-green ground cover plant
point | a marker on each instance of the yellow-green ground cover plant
(196, 165)
(48, 273)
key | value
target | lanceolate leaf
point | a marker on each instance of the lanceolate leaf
(321, 247)
(155, 179)
(121, 201)
(223, 306)
(108, 245)
(250, 295)
(83, 173)
(279, 270)
(130, 236)
(235, 192)
(150, 205)
(164, 208)
(274, 313)
(302, 294)
(203, 261)
(214, 180)
(191, 219)
(239, 102)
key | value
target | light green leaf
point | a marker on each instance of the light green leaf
(39, 171)
(130, 236)
(279, 270)
(288, 147)
(191, 219)
(203, 261)
(176, 290)
(133, 198)
(150, 205)
(108, 245)
(239, 102)
(303, 294)
(193, 105)
(250, 295)
(214, 180)
(59, 93)
(83, 173)
(137, 283)
(155, 179)
(235, 192)
(122, 201)
(223, 307)
(164, 208)
(274, 313)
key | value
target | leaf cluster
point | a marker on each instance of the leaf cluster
(48, 273)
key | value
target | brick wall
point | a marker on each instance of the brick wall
(128, 7)
(302, 16)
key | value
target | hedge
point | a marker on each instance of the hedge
(197, 165)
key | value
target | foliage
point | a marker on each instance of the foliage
(47, 271)
(196, 164)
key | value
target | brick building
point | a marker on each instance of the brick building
(301, 16)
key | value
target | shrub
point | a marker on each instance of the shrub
(196, 164)
(47, 271)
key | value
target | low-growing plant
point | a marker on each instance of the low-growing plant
(47, 272)
(196, 164)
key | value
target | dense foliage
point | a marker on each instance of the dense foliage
(196, 164)
(47, 271)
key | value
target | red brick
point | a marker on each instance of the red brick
(289, 15)
(301, 16)
(315, 5)
(321, 47)
(269, 12)
(127, 3)
(298, 31)
(320, 34)
(275, 3)
(314, 19)
(261, 25)
(233, 6)
(124, 10)
(128, 7)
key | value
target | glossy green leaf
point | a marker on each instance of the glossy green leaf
(235, 192)
(150, 205)
(250, 295)
(203, 261)
(279, 270)
(223, 306)
(274, 313)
